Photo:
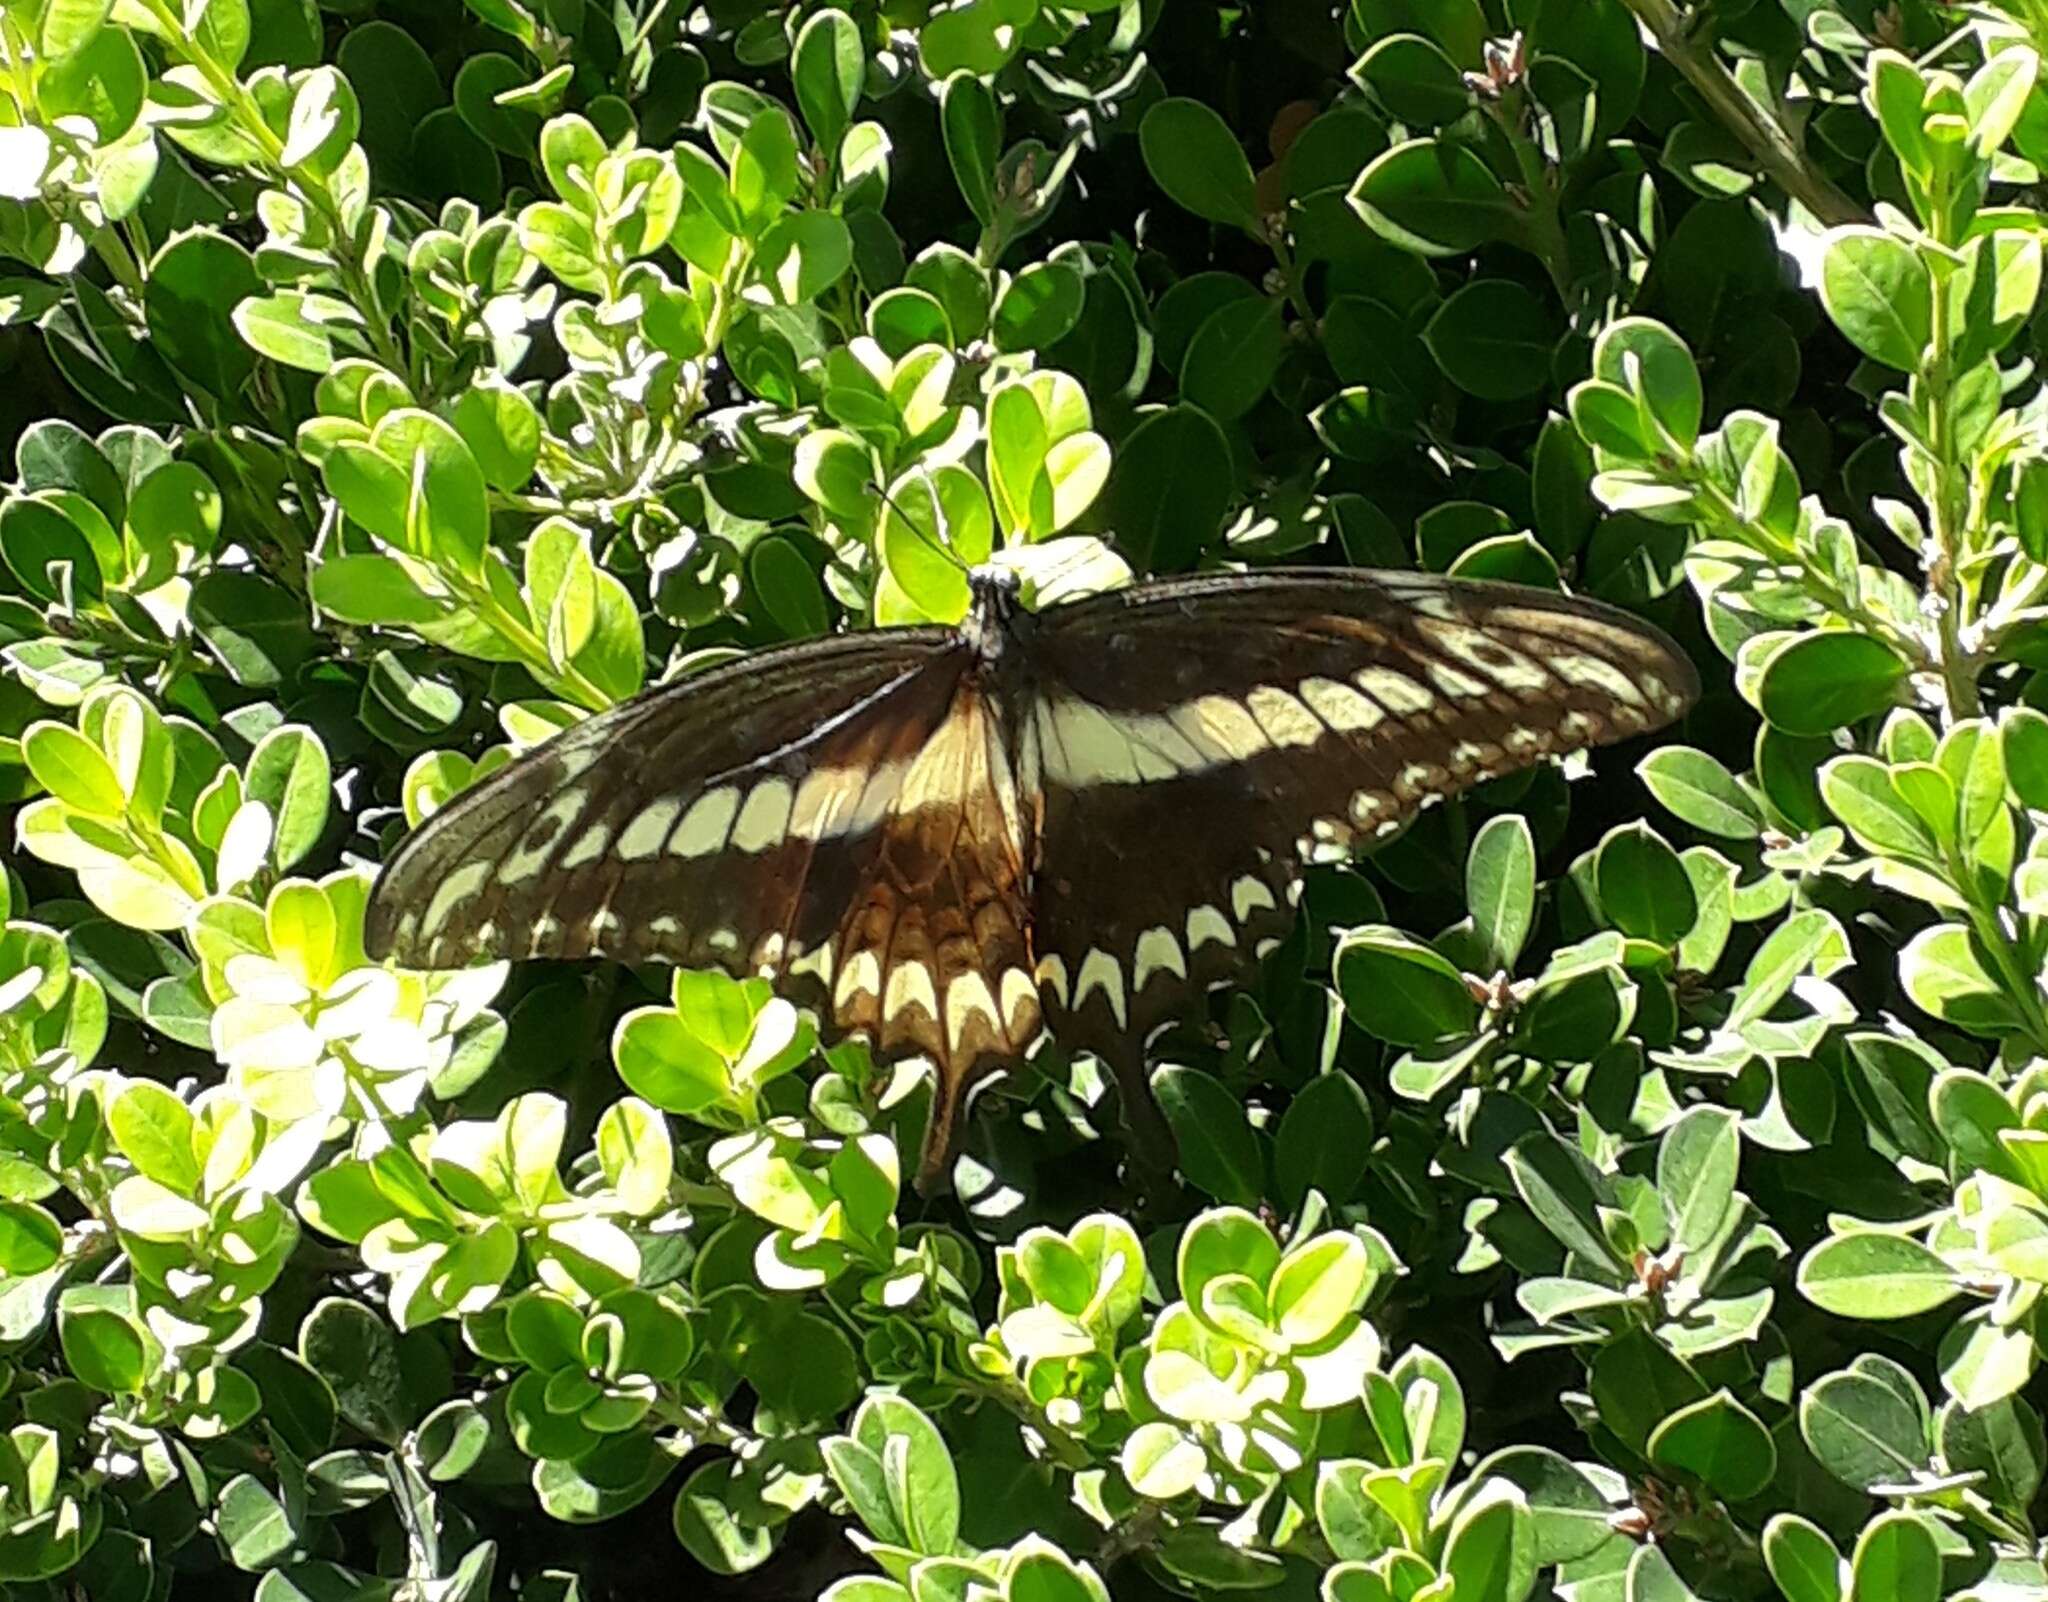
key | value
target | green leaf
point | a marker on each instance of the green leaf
(103, 1349)
(289, 773)
(1826, 681)
(1943, 969)
(1898, 1559)
(195, 284)
(1219, 1152)
(1721, 1442)
(972, 125)
(1038, 308)
(1879, 293)
(827, 69)
(1860, 792)
(1192, 155)
(1558, 1186)
(253, 1524)
(2003, 1441)
(1401, 991)
(1434, 197)
(354, 1350)
(1413, 80)
(1494, 339)
(73, 769)
(1862, 1431)
(716, 1526)
(1696, 1169)
(1643, 887)
(293, 328)
(1641, 357)
(1234, 356)
(1805, 1564)
(1868, 1274)
(1698, 790)
(502, 430)
(1500, 887)
(31, 1239)
(154, 1130)
(1172, 484)
(1325, 1128)
(1491, 1552)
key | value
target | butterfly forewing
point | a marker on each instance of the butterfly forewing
(704, 824)
(1196, 741)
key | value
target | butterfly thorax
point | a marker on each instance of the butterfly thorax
(995, 615)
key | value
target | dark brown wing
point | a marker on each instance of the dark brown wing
(839, 815)
(685, 826)
(1196, 740)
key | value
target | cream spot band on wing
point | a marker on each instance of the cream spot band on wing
(1157, 952)
(910, 985)
(967, 997)
(764, 821)
(1100, 971)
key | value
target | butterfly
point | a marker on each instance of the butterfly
(950, 839)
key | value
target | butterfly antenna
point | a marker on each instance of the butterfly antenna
(939, 546)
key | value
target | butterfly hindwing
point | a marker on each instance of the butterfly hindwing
(1198, 740)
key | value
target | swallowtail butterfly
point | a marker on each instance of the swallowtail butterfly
(950, 839)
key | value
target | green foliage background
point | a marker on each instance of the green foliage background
(1626, 1188)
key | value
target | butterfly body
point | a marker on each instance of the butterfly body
(949, 840)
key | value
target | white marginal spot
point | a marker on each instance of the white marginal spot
(1594, 674)
(724, 940)
(1421, 778)
(543, 930)
(764, 820)
(1340, 706)
(1285, 720)
(910, 985)
(1101, 971)
(664, 926)
(1219, 726)
(602, 922)
(1578, 727)
(589, 846)
(814, 964)
(642, 837)
(703, 828)
(1525, 742)
(966, 997)
(1474, 756)
(1205, 923)
(1157, 951)
(1019, 1001)
(768, 954)
(862, 976)
(1398, 693)
(458, 887)
(486, 932)
(1269, 944)
(1052, 974)
(1248, 895)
